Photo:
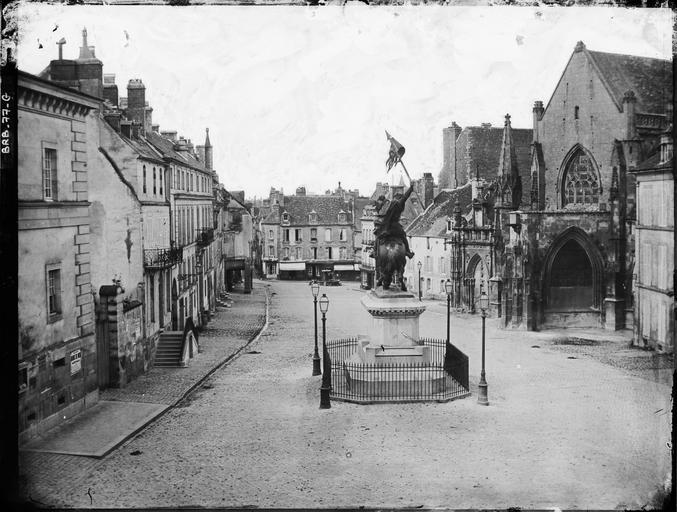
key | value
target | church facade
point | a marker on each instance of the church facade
(557, 240)
(565, 248)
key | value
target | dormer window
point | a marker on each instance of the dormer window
(312, 217)
(342, 217)
(285, 218)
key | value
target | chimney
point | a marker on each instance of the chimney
(136, 101)
(301, 191)
(148, 119)
(110, 89)
(126, 128)
(171, 135)
(183, 145)
(209, 155)
(113, 119)
(89, 69)
(428, 189)
(449, 136)
(156, 128)
(629, 105)
(538, 112)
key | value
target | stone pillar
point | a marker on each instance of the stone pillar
(614, 309)
(111, 312)
(495, 290)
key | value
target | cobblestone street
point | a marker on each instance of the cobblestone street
(576, 420)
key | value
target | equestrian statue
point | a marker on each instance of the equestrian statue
(391, 247)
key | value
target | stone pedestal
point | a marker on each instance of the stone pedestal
(393, 333)
(614, 314)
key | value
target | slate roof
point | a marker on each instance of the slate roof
(433, 222)
(482, 151)
(650, 79)
(143, 148)
(653, 163)
(327, 208)
(166, 147)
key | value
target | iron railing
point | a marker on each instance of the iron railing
(205, 237)
(444, 378)
(162, 258)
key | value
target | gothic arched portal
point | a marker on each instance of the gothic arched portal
(573, 274)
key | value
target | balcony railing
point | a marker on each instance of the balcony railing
(205, 237)
(162, 258)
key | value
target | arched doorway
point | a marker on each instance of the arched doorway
(571, 279)
(479, 276)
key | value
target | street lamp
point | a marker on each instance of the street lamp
(315, 288)
(482, 397)
(325, 403)
(419, 265)
(449, 288)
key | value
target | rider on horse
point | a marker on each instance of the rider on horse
(387, 225)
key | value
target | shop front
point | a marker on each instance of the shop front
(294, 270)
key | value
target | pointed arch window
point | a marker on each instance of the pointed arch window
(581, 185)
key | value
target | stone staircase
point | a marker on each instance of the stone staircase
(169, 349)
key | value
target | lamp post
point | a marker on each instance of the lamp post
(482, 397)
(315, 288)
(449, 288)
(419, 265)
(325, 403)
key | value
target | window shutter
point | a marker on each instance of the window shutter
(55, 181)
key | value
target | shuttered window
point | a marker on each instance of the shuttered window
(49, 174)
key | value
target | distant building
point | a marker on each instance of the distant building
(308, 236)
(239, 241)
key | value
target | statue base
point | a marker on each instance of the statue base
(393, 334)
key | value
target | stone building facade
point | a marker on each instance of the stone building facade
(129, 216)
(239, 240)
(654, 286)
(309, 236)
(57, 349)
(191, 198)
(453, 238)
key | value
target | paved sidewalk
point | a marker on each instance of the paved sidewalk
(122, 413)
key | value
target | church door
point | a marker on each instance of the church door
(571, 283)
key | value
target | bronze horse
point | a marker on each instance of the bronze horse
(390, 262)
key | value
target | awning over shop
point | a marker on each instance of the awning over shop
(297, 265)
(340, 266)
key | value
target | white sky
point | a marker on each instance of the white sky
(301, 96)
